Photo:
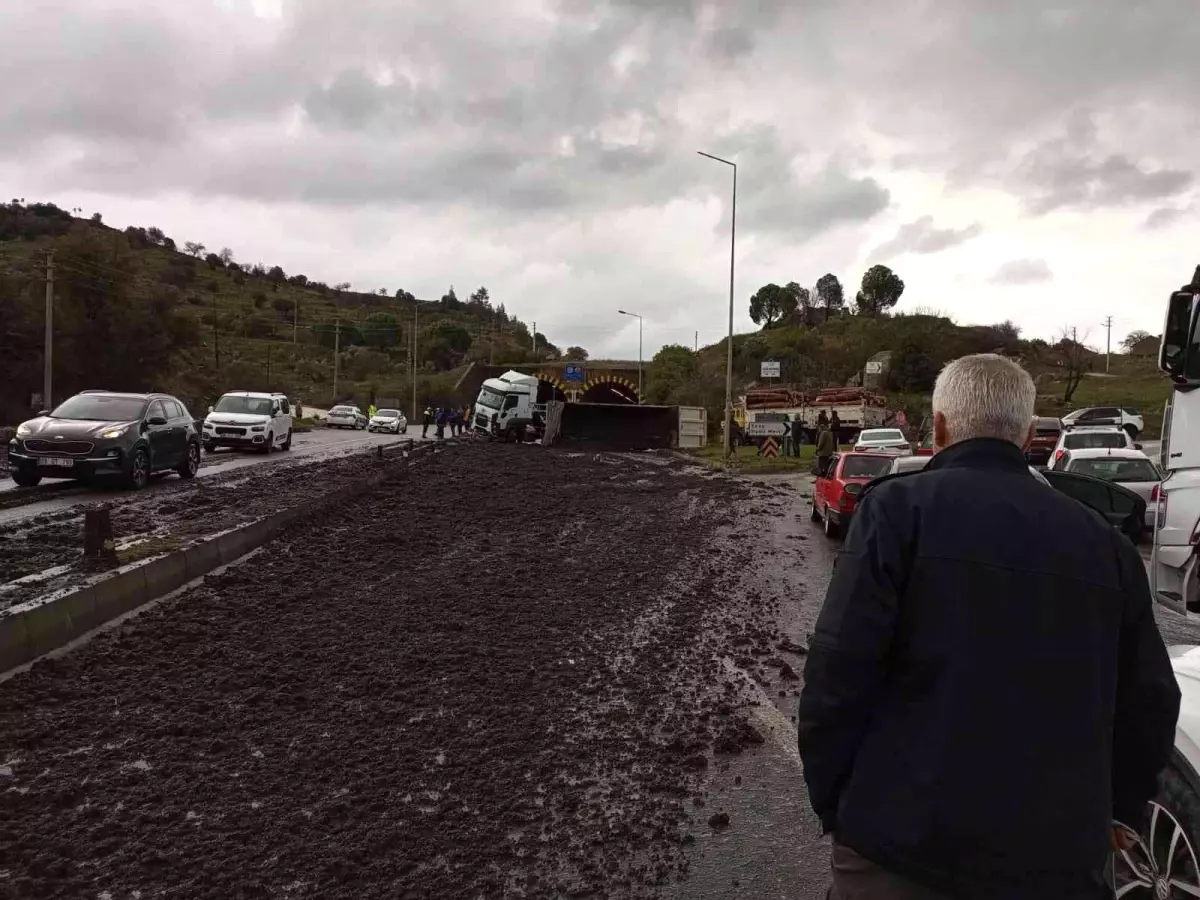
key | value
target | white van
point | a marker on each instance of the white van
(253, 419)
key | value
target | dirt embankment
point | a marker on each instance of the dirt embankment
(509, 679)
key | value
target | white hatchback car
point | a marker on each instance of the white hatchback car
(1106, 438)
(390, 421)
(883, 440)
(346, 417)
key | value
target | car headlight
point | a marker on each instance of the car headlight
(257, 428)
(113, 432)
(208, 426)
(24, 429)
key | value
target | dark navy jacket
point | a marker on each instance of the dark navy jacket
(986, 688)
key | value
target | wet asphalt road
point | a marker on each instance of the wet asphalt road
(54, 496)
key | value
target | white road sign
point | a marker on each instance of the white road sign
(766, 429)
(769, 368)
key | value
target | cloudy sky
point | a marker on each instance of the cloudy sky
(1022, 160)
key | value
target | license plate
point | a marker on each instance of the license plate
(56, 461)
(228, 432)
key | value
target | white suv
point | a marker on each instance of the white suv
(1128, 420)
(252, 419)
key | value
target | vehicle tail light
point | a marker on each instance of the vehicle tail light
(1058, 454)
(1154, 493)
(848, 495)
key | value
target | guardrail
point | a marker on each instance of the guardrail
(32, 629)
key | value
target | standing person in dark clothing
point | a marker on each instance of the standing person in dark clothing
(825, 448)
(835, 425)
(986, 693)
(426, 421)
(439, 419)
(822, 419)
(797, 435)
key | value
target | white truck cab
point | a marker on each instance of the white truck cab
(254, 419)
(1174, 562)
(507, 403)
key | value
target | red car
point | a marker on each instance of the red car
(1046, 432)
(925, 448)
(836, 492)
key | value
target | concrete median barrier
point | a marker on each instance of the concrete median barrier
(40, 626)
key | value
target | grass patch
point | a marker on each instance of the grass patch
(146, 549)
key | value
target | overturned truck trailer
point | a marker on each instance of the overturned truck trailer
(612, 426)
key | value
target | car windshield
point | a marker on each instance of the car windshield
(1094, 440)
(1048, 426)
(387, 413)
(100, 408)
(1116, 469)
(909, 464)
(882, 434)
(865, 466)
(491, 399)
(251, 406)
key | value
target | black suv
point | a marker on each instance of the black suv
(97, 433)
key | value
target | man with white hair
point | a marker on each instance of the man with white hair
(986, 691)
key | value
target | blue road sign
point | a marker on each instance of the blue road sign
(573, 372)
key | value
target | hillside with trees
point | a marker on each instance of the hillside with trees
(821, 341)
(138, 309)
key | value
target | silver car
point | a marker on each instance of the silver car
(388, 420)
(346, 417)
(1131, 469)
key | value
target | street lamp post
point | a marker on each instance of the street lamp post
(729, 348)
(639, 318)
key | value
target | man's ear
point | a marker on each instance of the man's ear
(1029, 436)
(941, 432)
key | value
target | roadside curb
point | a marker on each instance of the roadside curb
(36, 627)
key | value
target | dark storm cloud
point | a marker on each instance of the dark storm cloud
(922, 236)
(1165, 216)
(1070, 172)
(1022, 271)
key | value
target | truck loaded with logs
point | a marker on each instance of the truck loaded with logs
(848, 409)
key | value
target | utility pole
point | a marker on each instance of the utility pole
(416, 309)
(48, 361)
(337, 352)
(535, 338)
(268, 367)
(1107, 323)
(216, 336)
(295, 318)
(696, 349)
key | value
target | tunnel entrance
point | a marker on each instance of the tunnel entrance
(609, 392)
(548, 390)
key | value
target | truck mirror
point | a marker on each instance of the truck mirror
(1179, 334)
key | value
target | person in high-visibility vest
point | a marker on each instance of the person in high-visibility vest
(371, 410)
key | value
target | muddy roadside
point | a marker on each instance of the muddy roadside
(42, 554)
(561, 675)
